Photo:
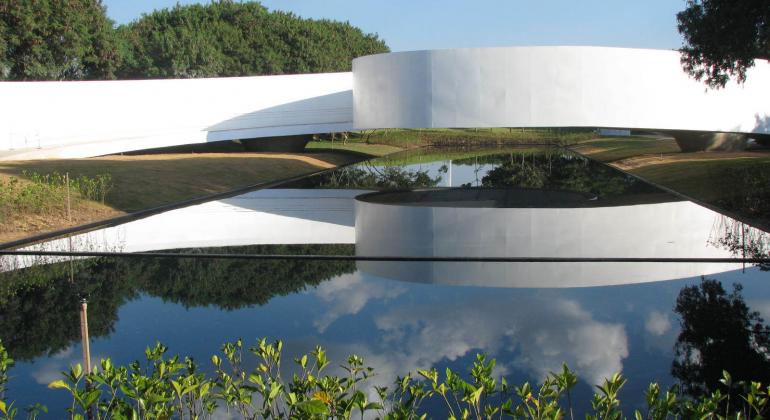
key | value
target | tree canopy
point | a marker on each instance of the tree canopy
(722, 38)
(56, 40)
(74, 40)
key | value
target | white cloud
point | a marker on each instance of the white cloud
(348, 294)
(546, 334)
(657, 323)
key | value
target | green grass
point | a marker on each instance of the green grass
(698, 179)
(146, 181)
(611, 149)
(356, 147)
(411, 138)
(412, 156)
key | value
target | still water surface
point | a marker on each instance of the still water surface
(599, 318)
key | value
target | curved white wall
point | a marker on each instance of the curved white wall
(678, 229)
(551, 87)
(482, 87)
(81, 119)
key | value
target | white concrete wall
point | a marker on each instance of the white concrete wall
(551, 87)
(81, 119)
(483, 87)
(679, 229)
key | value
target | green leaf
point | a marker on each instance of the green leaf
(76, 371)
(313, 407)
(59, 384)
(177, 387)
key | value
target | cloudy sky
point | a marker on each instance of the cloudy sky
(429, 24)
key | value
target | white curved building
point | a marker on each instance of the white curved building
(551, 87)
(477, 87)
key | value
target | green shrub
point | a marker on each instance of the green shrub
(47, 193)
(171, 387)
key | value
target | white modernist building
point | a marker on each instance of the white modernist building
(479, 87)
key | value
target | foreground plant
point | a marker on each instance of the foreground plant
(170, 387)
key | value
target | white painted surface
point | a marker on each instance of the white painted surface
(298, 216)
(81, 119)
(551, 87)
(481, 87)
(678, 229)
(264, 217)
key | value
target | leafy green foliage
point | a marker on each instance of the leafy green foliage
(47, 193)
(225, 38)
(723, 37)
(74, 40)
(166, 387)
(56, 40)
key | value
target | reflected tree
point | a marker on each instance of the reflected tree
(368, 176)
(718, 332)
(565, 172)
(237, 283)
(39, 305)
(742, 240)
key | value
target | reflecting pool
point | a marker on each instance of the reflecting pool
(535, 256)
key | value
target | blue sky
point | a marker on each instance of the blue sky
(428, 24)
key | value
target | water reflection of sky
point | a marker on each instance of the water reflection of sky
(398, 327)
(453, 174)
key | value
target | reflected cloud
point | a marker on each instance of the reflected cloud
(657, 323)
(52, 368)
(348, 294)
(542, 333)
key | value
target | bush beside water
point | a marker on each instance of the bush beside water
(173, 387)
(47, 193)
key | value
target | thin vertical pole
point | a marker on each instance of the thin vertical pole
(69, 207)
(86, 349)
(84, 335)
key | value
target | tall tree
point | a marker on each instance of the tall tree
(56, 40)
(722, 38)
(224, 38)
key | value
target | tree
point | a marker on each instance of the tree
(224, 38)
(56, 40)
(722, 38)
(719, 332)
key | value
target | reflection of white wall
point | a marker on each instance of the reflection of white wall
(80, 119)
(551, 87)
(273, 216)
(663, 230)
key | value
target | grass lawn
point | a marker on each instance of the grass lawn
(614, 149)
(146, 181)
(699, 179)
(356, 147)
(411, 138)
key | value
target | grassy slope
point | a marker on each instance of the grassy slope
(148, 181)
(696, 179)
(699, 175)
(613, 149)
(356, 147)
